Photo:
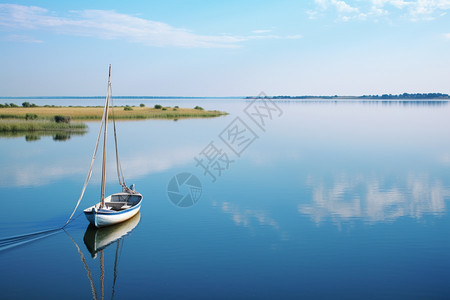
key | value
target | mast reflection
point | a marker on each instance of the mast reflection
(96, 241)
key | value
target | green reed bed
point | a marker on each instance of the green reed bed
(174, 115)
(161, 114)
(95, 113)
(15, 125)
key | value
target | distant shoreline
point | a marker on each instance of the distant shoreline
(404, 96)
(115, 97)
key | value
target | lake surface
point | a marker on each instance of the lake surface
(299, 199)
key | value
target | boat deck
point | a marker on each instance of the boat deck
(118, 206)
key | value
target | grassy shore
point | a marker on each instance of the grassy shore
(95, 113)
(15, 125)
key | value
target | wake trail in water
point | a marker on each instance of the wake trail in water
(17, 240)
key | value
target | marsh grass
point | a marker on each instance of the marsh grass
(95, 113)
(14, 125)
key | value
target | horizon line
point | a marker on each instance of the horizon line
(280, 97)
(120, 97)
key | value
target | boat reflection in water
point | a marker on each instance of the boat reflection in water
(96, 240)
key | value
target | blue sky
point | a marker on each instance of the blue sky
(224, 48)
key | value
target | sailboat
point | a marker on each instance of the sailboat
(117, 207)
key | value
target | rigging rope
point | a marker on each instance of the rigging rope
(90, 168)
(118, 164)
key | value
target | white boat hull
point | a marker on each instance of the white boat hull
(96, 239)
(101, 217)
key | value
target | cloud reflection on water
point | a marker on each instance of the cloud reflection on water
(250, 218)
(374, 199)
(35, 171)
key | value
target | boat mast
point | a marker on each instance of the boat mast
(104, 140)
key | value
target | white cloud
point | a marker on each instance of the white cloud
(413, 10)
(103, 24)
(311, 14)
(377, 11)
(343, 7)
(345, 10)
(427, 9)
(399, 3)
(322, 3)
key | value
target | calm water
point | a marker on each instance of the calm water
(328, 200)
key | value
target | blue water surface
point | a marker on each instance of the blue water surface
(328, 200)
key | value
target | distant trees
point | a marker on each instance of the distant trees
(28, 104)
(383, 96)
(6, 105)
(25, 104)
(408, 96)
(293, 97)
(62, 119)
